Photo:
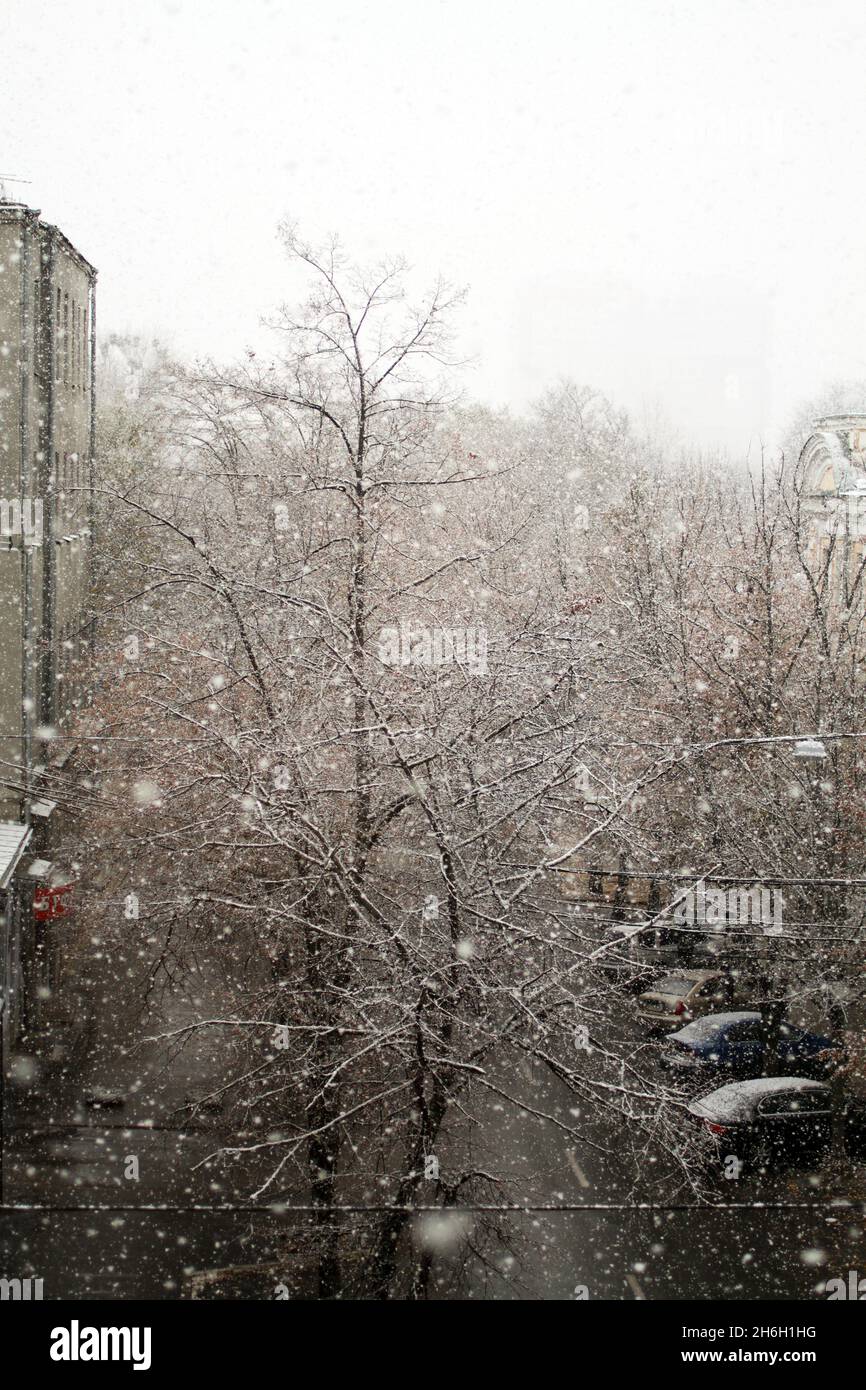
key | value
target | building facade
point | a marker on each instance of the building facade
(833, 469)
(47, 422)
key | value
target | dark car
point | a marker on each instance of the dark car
(855, 1128)
(769, 1119)
(735, 1044)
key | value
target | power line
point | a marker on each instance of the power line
(277, 1208)
(664, 876)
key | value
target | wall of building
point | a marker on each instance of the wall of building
(68, 480)
(46, 443)
(16, 424)
(46, 327)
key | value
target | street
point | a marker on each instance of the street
(93, 1153)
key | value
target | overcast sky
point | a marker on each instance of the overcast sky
(662, 200)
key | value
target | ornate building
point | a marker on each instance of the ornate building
(833, 463)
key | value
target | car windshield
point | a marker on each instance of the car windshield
(674, 984)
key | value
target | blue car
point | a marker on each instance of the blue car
(733, 1045)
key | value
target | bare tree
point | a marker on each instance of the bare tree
(364, 699)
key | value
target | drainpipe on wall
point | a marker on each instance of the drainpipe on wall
(47, 365)
(24, 474)
(91, 472)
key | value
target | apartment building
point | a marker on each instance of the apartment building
(46, 457)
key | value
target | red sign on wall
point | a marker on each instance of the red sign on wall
(49, 903)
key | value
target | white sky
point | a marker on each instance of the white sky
(662, 200)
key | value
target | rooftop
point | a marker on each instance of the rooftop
(13, 211)
(13, 841)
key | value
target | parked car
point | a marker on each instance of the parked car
(624, 962)
(636, 958)
(735, 1045)
(769, 1119)
(682, 995)
(855, 1128)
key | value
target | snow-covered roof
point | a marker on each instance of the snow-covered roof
(738, 1099)
(698, 976)
(40, 868)
(13, 841)
(724, 1020)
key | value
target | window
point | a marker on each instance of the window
(796, 1103)
(38, 331)
(710, 990)
(674, 985)
(812, 1103)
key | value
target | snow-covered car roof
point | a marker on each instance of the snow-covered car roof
(710, 1022)
(677, 977)
(739, 1098)
(699, 976)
